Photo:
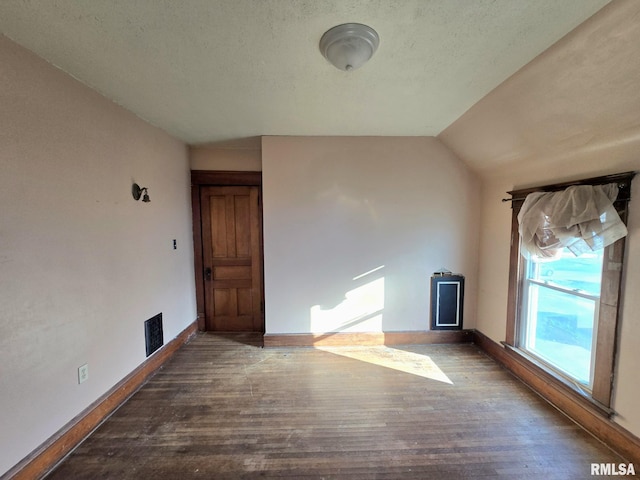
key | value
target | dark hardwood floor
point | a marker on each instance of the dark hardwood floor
(223, 407)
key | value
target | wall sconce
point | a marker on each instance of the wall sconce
(349, 46)
(136, 191)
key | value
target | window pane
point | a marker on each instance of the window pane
(560, 329)
(581, 273)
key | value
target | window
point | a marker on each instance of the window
(563, 303)
(559, 313)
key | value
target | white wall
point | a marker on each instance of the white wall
(82, 264)
(336, 208)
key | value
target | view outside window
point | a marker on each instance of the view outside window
(560, 312)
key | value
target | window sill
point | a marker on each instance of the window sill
(544, 373)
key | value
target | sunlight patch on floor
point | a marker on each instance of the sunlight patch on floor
(407, 362)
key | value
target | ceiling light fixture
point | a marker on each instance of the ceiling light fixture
(349, 46)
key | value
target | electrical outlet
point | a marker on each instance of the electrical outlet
(83, 373)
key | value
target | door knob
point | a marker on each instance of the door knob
(207, 273)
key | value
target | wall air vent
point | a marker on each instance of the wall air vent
(153, 334)
(447, 300)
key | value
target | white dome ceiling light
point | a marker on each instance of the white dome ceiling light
(349, 46)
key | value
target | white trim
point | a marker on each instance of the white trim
(458, 284)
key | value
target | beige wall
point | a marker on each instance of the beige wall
(242, 154)
(82, 264)
(572, 113)
(336, 208)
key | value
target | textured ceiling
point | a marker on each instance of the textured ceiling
(214, 70)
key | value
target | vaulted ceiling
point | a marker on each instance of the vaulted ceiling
(215, 70)
(576, 104)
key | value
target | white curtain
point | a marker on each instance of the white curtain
(581, 218)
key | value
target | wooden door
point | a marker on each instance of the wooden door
(232, 259)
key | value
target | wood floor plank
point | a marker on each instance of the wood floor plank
(224, 407)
